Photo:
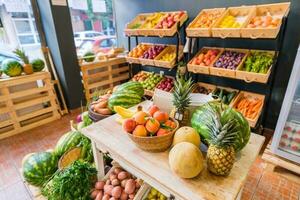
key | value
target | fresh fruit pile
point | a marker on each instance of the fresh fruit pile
(258, 62)
(230, 21)
(151, 81)
(206, 19)
(166, 84)
(152, 20)
(155, 195)
(224, 95)
(229, 60)
(148, 124)
(120, 185)
(138, 51)
(264, 22)
(202, 90)
(142, 76)
(205, 58)
(169, 20)
(249, 106)
(168, 57)
(101, 105)
(153, 51)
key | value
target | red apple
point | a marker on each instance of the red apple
(129, 125)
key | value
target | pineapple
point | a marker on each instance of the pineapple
(221, 153)
(181, 99)
(27, 67)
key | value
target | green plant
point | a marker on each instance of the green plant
(21, 54)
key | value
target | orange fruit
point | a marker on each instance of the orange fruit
(140, 131)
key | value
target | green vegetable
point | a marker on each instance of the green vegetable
(202, 121)
(73, 182)
(224, 95)
(230, 96)
(258, 62)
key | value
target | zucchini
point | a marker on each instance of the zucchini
(221, 94)
(231, 96)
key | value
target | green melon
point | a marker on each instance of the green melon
(38, 65)
(11, 67)
(202, 120)
(131, 86)
(125, 99)
(67, 142)
(37, 168)
(90, 57)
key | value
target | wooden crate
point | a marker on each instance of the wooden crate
(103, 75)
(250, 95)
(250, 77)
(203, 32)
(209, 87)
(144, 61)
(137, 60)
(203, 69)
(26, 102)
(229, 90)
(241, 12)
(141, 18)
(159, 32)
(279, 10)
(228, 72)
(168, 64)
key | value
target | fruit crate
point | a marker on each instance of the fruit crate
(141, 18)
(142, 190)
(150, 93)
(278, 10)
(228, 89)
(203, 32)
(168, 64)
(151, 62)
(216, 71)
(26, 102)
(249, 95)
(242, 14)
(209, 87)
(137, 60)
(103, 75)
(250, 77)
(203, 69)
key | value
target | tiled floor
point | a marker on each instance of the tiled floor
(261, 184)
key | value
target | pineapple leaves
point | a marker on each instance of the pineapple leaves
(20, 53)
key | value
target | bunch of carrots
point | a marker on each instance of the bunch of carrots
(249, 107)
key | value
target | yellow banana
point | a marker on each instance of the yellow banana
(123, 112)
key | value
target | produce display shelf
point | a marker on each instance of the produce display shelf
(107, 136)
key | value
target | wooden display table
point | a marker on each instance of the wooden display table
(107, 136)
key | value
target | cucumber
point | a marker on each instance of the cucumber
(230, 96)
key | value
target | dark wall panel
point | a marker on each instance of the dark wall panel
(126, 10)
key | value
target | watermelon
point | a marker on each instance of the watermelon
(11, 67)
(90, 57)
(201, 121)
(131, 86)
(38, 65)
(37, 168)
(125, 99)
(67, 142)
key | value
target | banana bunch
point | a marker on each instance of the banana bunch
(125, 113)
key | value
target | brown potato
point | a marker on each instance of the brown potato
(108, 189)
(115, 182)
(99, 196)
(94, 194)
(116, 192)
(122, 175)
(130, 186)
(108, 182)
(99, 185)
(123, 183)
(112, 176)
(124, 195)
(117, 170)
(106, 197)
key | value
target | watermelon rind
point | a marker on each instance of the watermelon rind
(125, 99)
(67, 142)
(131, 86)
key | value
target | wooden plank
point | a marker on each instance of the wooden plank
(95, 65)
(4, 110)
(107, 82)
(30, 92)
(279, 161)
(86, 77)
(22, 79)
(34, 101)
(8, 134)
(6, 123)
(154, 168)
(35, 113)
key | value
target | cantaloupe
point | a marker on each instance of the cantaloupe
(186, 160)
(186, 134)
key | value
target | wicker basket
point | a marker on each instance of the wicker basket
(69, 157)
(96, 116)
(156, 143)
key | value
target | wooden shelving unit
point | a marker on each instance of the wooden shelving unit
(26, 102)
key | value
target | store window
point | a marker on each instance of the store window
(93, 25)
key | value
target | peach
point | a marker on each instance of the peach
(140, 117)
(140, 131)
(152, 125)
(162, 132)
(152, 110)
(129, 125)
(161, 116)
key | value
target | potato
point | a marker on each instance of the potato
(117, 170)
(115, 182)
(108, 182)
(116, 192)
(137, 184)
(108, 189)
(112, 177)
(94, 194)
(99, 196)
(106, 197)
(123, 183)
(113, 198)
(122, 175)
(124, 196)
(130, 186)
(131, 196)
(99, 185)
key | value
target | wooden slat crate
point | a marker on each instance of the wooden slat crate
(103, 75)
(26, 102)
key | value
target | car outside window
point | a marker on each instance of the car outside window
(107, 43)
(87, 45)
